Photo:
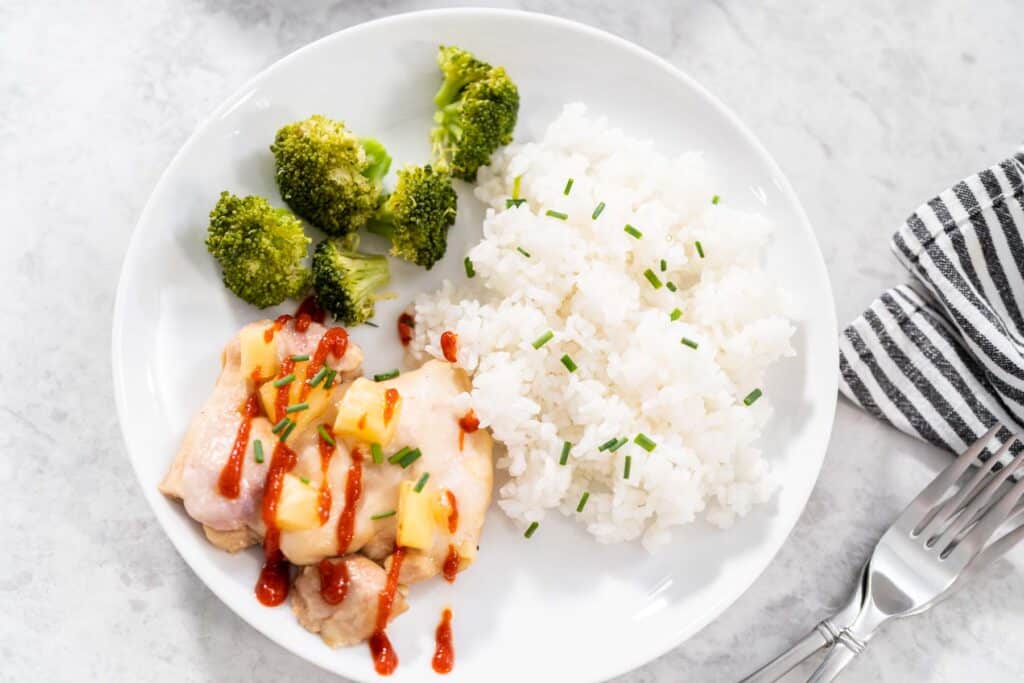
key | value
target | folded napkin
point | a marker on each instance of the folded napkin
(942, 358)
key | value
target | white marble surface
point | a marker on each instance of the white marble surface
(869, 108)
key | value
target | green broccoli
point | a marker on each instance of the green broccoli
(477, 107)
(417, 215)
(260, 249)
(327, 175)
(346, 279)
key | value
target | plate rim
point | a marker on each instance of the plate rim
(640, 656)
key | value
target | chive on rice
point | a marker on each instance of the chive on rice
(566, 447)
(751, 397)
(652, 278)
(531, 529)
(543, 339)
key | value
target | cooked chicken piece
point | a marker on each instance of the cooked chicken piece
(231, 541)
(352, 620)
(195, 472)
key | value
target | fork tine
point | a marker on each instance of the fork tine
(939, 519)
(1007, 540)
(976, 538)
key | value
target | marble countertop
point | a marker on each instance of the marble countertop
(869, 107)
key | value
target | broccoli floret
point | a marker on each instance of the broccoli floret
(327, 175)
(345, 279)
(477, 107)
(260, 249)
(417, 215)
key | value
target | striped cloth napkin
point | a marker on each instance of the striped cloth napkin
(942, 358)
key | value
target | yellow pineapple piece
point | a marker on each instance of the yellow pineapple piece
(363, 412)
(316, 398)
(297, 507)
(257, 352)
(416, 522)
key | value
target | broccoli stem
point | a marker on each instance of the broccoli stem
(378, 160)
(382, 223)
(449, 90)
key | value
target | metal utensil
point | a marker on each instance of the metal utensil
(942, 538)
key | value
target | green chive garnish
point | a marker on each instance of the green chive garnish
(421, 483)
(608, 444)
(328, 439)
(629, 229)
(751, 397)
(330, 378)
(287, 379)
(566, 447)
(280, 425)
(700, 249)
(530, 529)
(516, 182)
(664, 265)
(652, 278)
(321, 373)
(287, 431)
(714, 200)
(568, 186)
(644, 442)
(597, 211)
(686, 341)
(371, 323)
(411, 457)
(509, 203)
(296, 408)
(543, 339)
(625, 468)
(470, 272)
(670, 286)
(618, 444)
(523, 252)
(384, 376)
(304, 480)
(383, 515)
(399, 454)
(377, 452)
(568, 363)
(257, 450)
(676, 314)
(556, 214)
(303, 357)
(583, 501)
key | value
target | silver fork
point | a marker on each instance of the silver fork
(939, 541)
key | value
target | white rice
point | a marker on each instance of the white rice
(584, 280)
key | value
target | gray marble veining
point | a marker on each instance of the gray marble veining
(870, 108)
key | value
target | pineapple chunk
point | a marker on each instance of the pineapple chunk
(467, 553)
(257, 352)
(416, 522)
(317, 398)
(361, 413)
(297, 507)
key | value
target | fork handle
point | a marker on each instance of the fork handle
(846, 648)
(823, 635)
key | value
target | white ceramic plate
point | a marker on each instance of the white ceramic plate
(557, 606)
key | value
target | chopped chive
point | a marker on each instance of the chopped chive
(287, 431)
(257, 450)
(509, 203)
(652, 278)
(287, 379)
(384, 376)
(566, 447)
(700, 249)
(608, 444)
(321, 373)
(377, 452)
(411, 457)
(676, 314)
(304, 480)
(543, 339)
(325, 435)
(516, 183)
(371, 323)
(523, 252)
(568, 363)
(301, 358)
(629, 229)
(625, 468)
(714, 200)
(583, 501)
(383, 515)
(751, 397)
(619, 443)
(530, 529)
(686, 341)
(664, 265)
(468, 262)
(670, 286)
(421, 483)
(556, 214)
(568, 186)
(280, 425)
(399, 454)
(329, 381)
(296, 408)
(645, 442)
(597, 211)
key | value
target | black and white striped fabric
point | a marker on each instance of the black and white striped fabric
(942, 359)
